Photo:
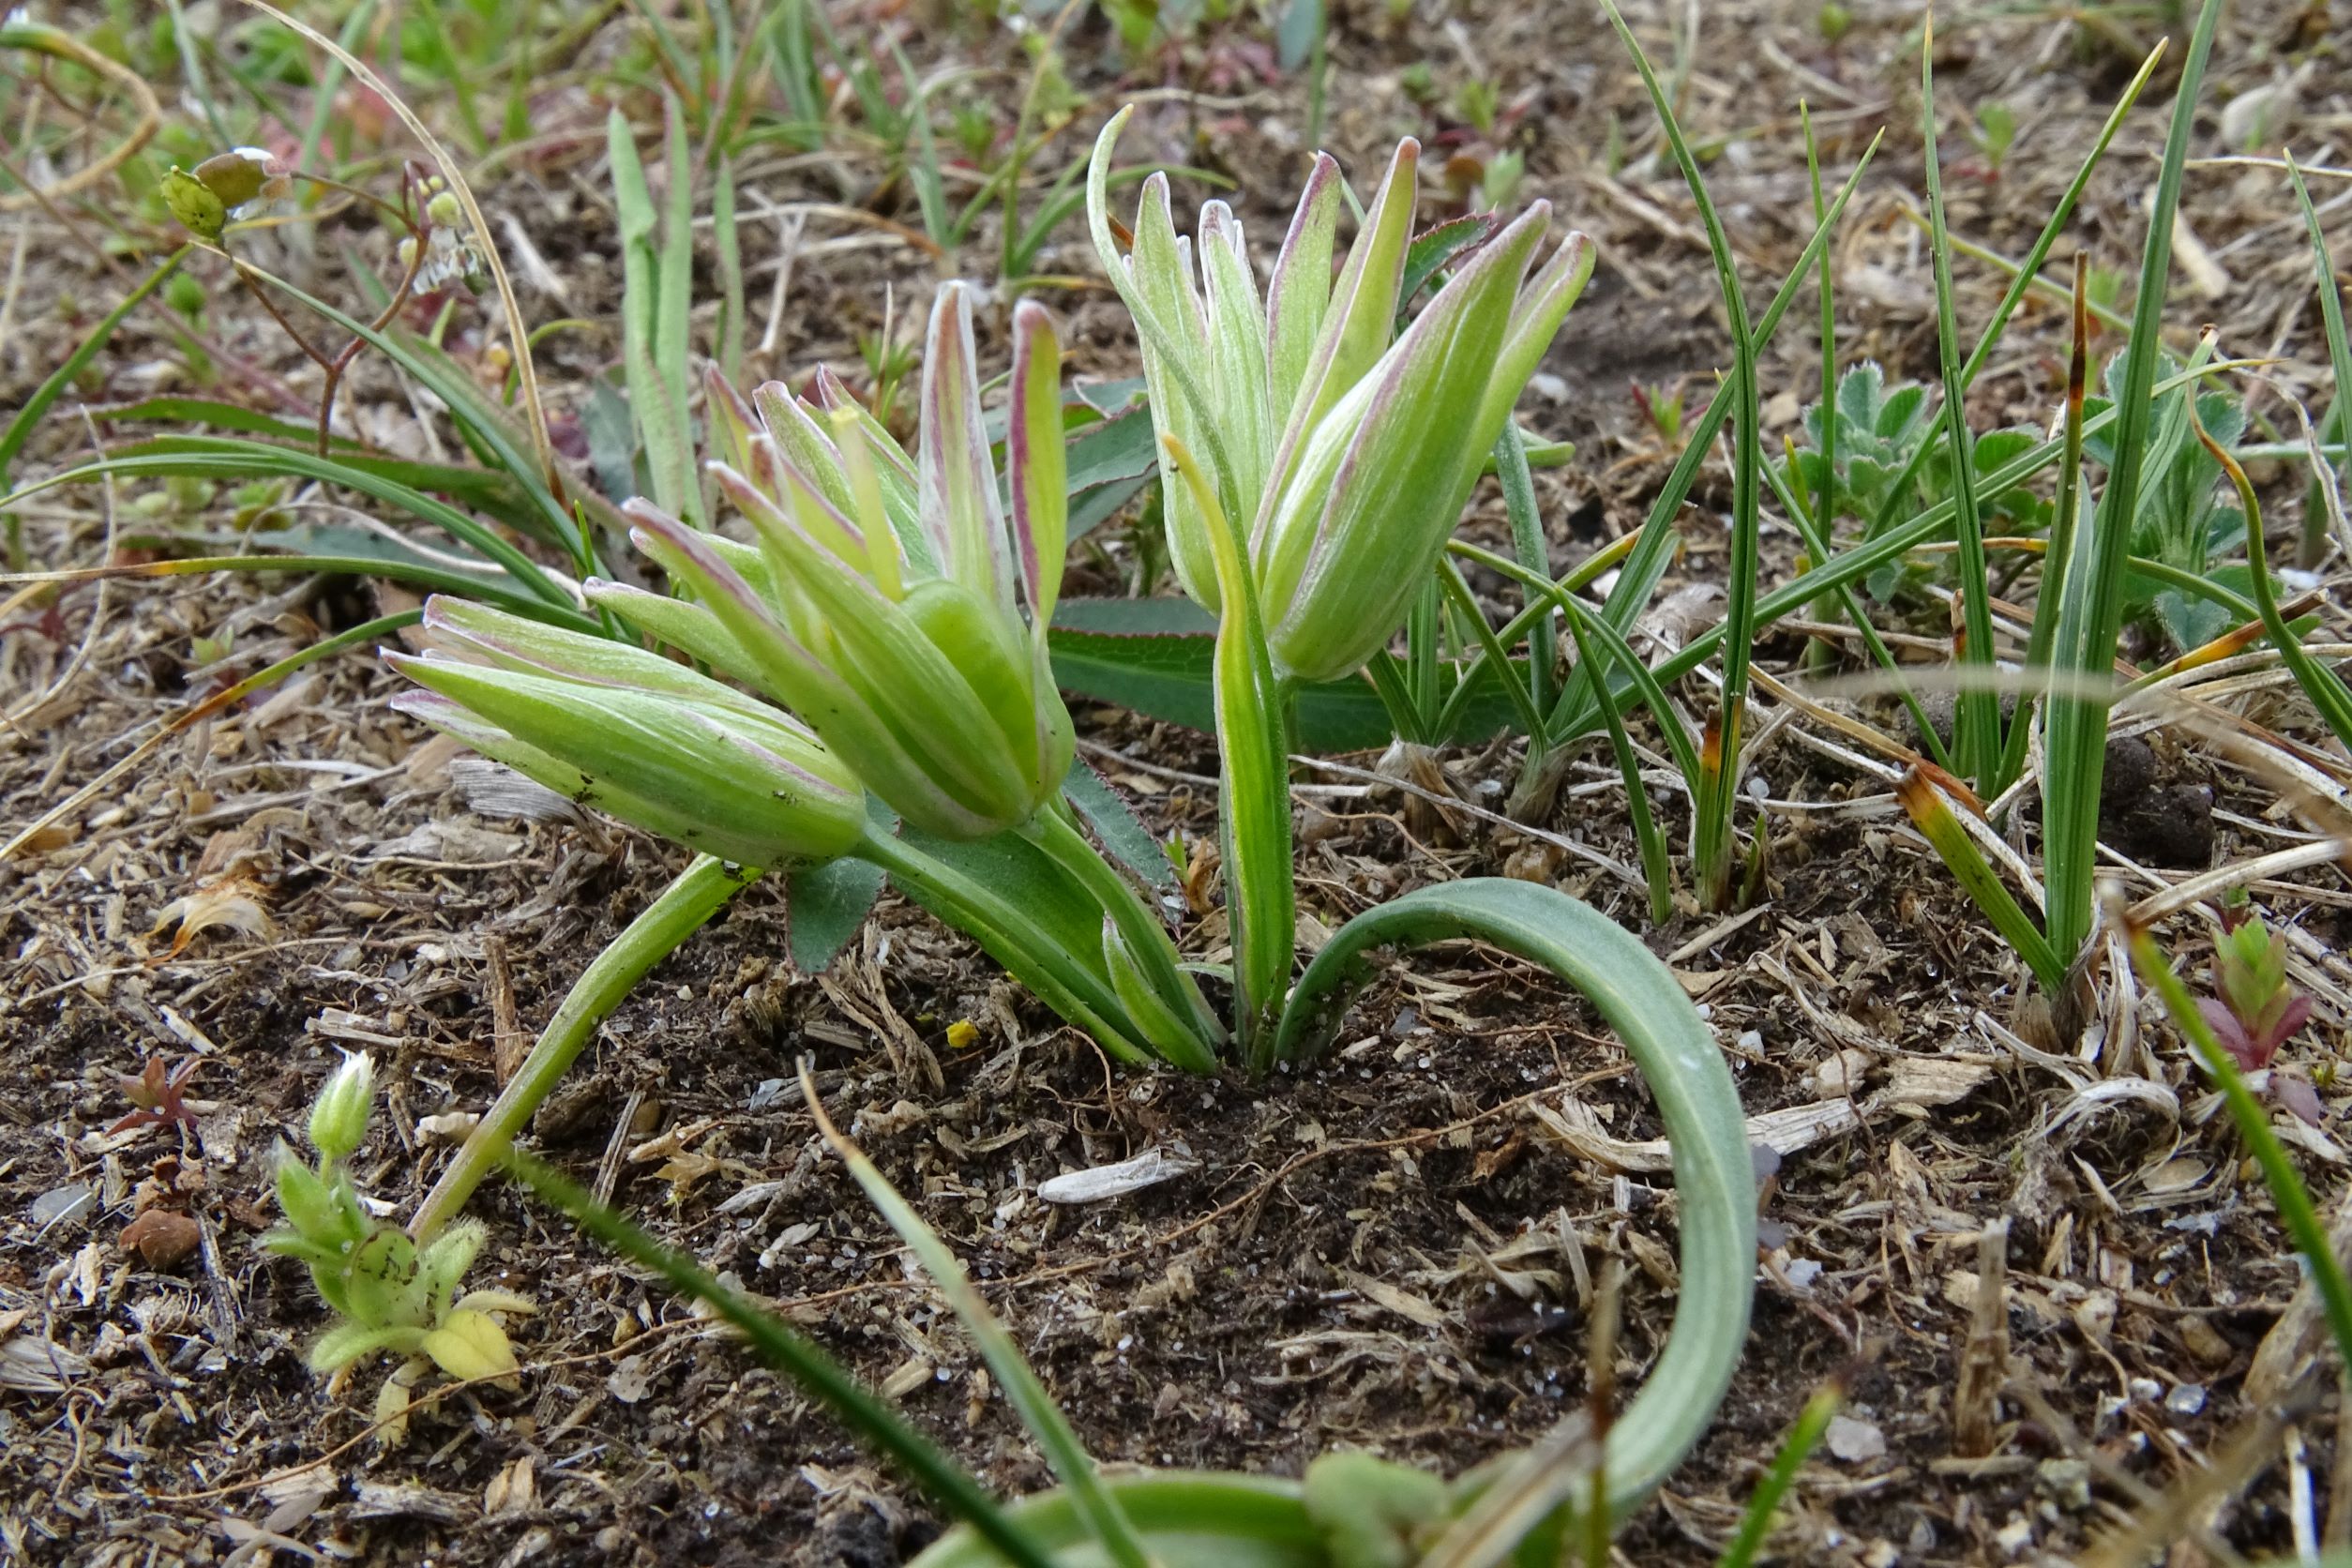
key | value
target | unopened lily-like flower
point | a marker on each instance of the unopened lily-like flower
(648, 740)
(1342, 457)
(879, 604)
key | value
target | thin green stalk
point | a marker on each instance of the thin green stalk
(784, 1348)
(224, 456)
(1711, 839)
(1194, 1047)
(2253, 1124)
(1534, 553)
(1977, 722)
(1646, 687)
(2091, 616)
(1421, 651)
(416, 574)
(1812, 1423)
(1389, 684)
(1925, 806)
(1825, 502)
(1848, 603)
(1465, 603)
(731, 313)
(1655, 868)
(2338, 362)
(684, 906)
(1537, 607)
(2024, 276)
(1105, 1519)
(2324, 689)
(1062, 981)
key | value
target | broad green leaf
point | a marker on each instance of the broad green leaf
(825, 905)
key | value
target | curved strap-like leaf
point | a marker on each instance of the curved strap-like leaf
(1189, 1518)
(1713, 1170)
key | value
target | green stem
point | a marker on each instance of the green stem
(2253, 1124)
(684, 906)
(1058, 978)
(1146, 936)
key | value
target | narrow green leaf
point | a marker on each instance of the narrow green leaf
(1711, 839)
(2091, 616)
(1942, 829)
(1977, 725)
(785, 1349)
(1113, 1531)
(1715, 1173)
(19, 429)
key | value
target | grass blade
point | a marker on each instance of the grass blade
(1924, 804)
(1254, 806)
(212, 706)
(1527, 543)
(2022, 277)
(2065, 520)
(2339, 363)
(785, 1349)
(2091, 615)
(1812, 1425)
(1657, 541)
(2324, 689)
(1104, 1518)
(646, 321)
(1977, 722)
(1711, 838)
(1655, 868)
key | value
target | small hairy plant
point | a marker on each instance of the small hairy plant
(390, 1294)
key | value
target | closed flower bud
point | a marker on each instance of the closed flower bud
(883, 605)
(1344, 459)
(651, 742)
(339, 1118)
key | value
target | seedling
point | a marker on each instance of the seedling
(155, 1095)
(388, 1293)
(1994, 131)
(1662, 408)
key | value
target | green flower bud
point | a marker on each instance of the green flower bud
(888, 612)
(192, 202)
(339, 1118)
(1343, 458)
